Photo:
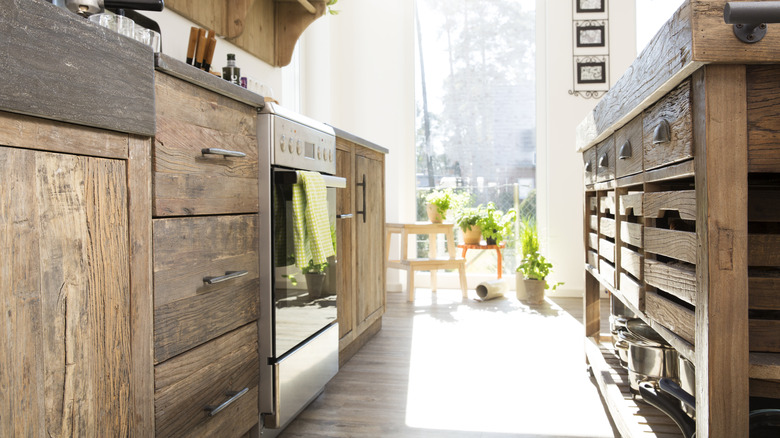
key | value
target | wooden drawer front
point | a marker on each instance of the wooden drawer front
(607, 272)
(680, 245)
(764, 335)
(187, 311)
(607, 203)
(763, 118)
(593, 223)
(631, 262)
(763, 291)
(187, 181)
(607, 250)
(186, 385)
(631, 204)
(632, 291)
(678, 280)
(593, 204)
(607, 227)
(631, 233)
(655, 204)
(628, 148)
(589, 165)
(668, 130)
(605, 160)
(593, 241)
(593, 258)
(678, 319)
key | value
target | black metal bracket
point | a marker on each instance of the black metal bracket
(750, 18)
(363, 211)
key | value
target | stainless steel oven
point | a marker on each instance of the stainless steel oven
(298, 327)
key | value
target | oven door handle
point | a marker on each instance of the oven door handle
(292, 177)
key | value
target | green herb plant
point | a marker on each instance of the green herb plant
(494, 223)
(534, 265)
(315, 268)
(469, 217)
(444, 200)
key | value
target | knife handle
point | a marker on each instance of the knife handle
(201, 48)
(193, 44)
(210, 46)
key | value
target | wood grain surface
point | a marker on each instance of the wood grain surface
(764, 292)
(763, 117)
(632, 262)
(68, 69)
(631, 203)
(630, 137)
(678, 280)
(655, 204)
(369, 246)
(607, 250)
(680, 245)
(763, 335)
(675, 109)
(607, 227)
(763, 250)
(632, 291)
(678, 319)
(605, 160)
(631, 233)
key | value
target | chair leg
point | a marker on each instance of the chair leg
(410, 284)
(463, 284)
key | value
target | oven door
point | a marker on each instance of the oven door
(304, 353)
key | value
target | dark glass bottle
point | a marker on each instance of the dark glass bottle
(230, 72)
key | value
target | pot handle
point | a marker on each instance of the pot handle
(671, 387)
(668, 406)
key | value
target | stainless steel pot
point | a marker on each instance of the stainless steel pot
(650, 358)
(687, 375)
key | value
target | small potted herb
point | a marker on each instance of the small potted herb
(468, 222)
(495, 225)
(315, 277)
(439, 202)
(534, 267)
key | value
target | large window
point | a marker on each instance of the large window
(476, 124)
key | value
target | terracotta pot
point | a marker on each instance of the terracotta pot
(534, 290)
(433, 214)
(472, 236)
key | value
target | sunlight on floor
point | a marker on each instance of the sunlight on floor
(500, 367)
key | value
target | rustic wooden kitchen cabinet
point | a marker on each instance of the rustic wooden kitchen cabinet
(361, 302)
(685, 234)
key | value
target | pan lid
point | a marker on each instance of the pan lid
(643, 331)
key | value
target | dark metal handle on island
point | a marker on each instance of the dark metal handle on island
(228, 276)
(662, 133)
(223, 152)
(141, 5)
(588, 167)
(750, 18)
(625, 151)
(214, 410)
(604, 161)
(363, 211)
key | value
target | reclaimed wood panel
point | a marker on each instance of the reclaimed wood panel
(607, 203)
(607, 250)
(631, 233)
(631, 204)
(680, 245)
(64, 295)
(632, 291)
(607, 272)
(714, 41)
(677, 280)
(370, 250)
(675, 109)
(764, 292)
(763, 117)
(763, 249)
(593, 241)
(593, 203)
(90, 89)
(605, 160)
(655, 204)
(188, 383)
(589, 166)
(678, 319)
(764, 388)
(592, 258)
(631, 262)
(628, 147)
(670, 172)
(593, 223)
(764, 335)
(607, 227)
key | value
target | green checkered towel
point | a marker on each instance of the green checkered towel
(312, 236)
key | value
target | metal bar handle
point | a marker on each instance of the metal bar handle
(344, 216)
(229, 275)
(363, 211)
(750, 19)
(214, 410)
(223, 152)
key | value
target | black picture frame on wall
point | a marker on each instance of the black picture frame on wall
(584, 6)
(592, 72)
(591, 36)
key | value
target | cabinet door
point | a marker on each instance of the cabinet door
(345, 232)
(64, 295)
(369, 239)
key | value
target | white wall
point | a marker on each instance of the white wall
(559, 168)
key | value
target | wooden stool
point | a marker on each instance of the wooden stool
(433, 263)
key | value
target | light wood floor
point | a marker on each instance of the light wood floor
(444, 367)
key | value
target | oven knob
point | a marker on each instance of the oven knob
(281, 143)
(290, 149)
(330, 155)
(299, 149)
(319, 153)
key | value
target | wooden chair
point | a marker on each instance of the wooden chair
(432, 263)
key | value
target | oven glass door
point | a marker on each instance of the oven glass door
(304, 304)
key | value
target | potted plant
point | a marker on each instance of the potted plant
(468, 222)
(438, 202)
(534, 267)
(315, 277)
(495, 225)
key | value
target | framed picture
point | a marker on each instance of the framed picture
(592, 72)
(590, 9)
(591, 36)
(590, 6)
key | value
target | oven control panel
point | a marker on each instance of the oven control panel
(302, 147)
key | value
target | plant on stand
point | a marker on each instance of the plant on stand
(496, 225)
(534, 267)
(315, 278)
(468, 222)
(439, 202)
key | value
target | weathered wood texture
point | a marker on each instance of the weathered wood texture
(607, 203)
(188, 311)
(605, 160)
(632, 291)
(628, 147)
(187, 384)
(607, 250)
(720, 142)
(82, 74)
(680, 245)
(714, 40)
(764, 335)
(186, 181)
(607, 227)
(631, 233)
(369, 247)
(674, 109)
(593, 223)
(763, 249)
(678, 319)
(631, 204)
(593, 241)
(345, 204)
(683, 202)
(592, 258)
(631, 262)
(678, 280)
(763, 117)
(592, 204)
(64, 295)
(607, 272)
(589, 166)
(764, 292)
(591, 306)
(764, 388)
(141, 296)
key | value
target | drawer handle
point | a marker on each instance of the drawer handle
(662, 133)
(625, 151)
(214, 410)
(588, 167)
(604, 161)
(344, 216)
(223, 152)
(363, 211)
(229, 275)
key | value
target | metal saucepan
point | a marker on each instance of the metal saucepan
(649, 356)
